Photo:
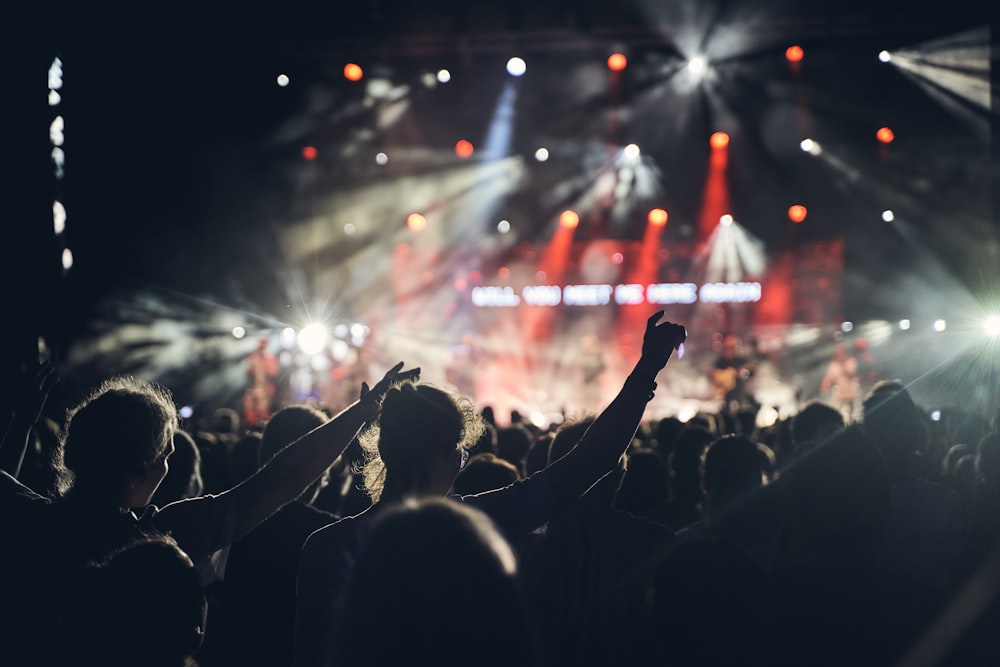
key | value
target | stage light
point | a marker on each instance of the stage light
(349, 229)
(310, 152)
(416, 222)
(797, 213)
(54, 98)
(353, 72)
(991, 325)
(463, 148)
(617, 62)
(617, 258)
(884, 56)
(888, 215)
(847, 327)
(381, 159)
(542, 154)
(726, 220)
(719, 140)
(283, 80)
(810, 146)
(657, 217)
(935, 415)
(503, 226)
(940, 325)
(341, 331)
(516, 66)
(794, 54)
(631, 151)
(444, 76)
(287, 338)
(67, 259)
(503, 272)
(186, 412)
(312, 338)
(885, 135)
(58, 217)
(904, 325)
(239, 332)
(698, 65)
(569, 219)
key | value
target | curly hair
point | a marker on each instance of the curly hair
(124, 425)
(415, 419)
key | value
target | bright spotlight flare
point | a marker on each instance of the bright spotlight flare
(991, 325)
(312, 338)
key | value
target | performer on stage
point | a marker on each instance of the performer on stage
(842, 382)
(262, 372)
(731, 374)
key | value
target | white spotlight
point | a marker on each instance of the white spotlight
(239, 332)
(349, 228)
(888, 215)
(67, 259)
(698, 65)
(847, 327)
(288, 338)
(904, 325)
(312, 338)
(940, 325)
(991, 325)
(503, 226)
(631, 151)
(884, 56)
(516, 66)
(381, 159)
(542, 154)
(444, 76)
(282, 80)
(726, 220)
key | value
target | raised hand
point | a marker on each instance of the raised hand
(658, 343)
(394, 375)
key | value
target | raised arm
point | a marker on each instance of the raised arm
(290, 471)
(609, 436)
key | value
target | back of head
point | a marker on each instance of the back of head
(225, 421)
(645, 484)
(685, 461)
(567, 436)
(836, 497)
(286, 426)
(120, 428)
(733, 468)
(418, 425)
(485, 472)
(815, 422)
(895, 424)
(143, 604)
(513, 443)
(427, 568)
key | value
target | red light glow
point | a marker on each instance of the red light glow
(719, 140)
(569, 219)
(463, 148)
(794, 54)
(658, 217)
(617, 62)
(353, 72)
(797, 213)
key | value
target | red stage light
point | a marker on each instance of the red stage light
(503, 272)
(569, 219)
(353, 72)
(657, 217)
(797, 213)
(416, 222)
(885, 135)
(719, 140)
(794, 54)
(463, 148)
(617, 62)
(310, 152)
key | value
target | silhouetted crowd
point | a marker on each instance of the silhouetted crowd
(414, 528)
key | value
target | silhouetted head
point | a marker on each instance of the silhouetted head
(142, 604)
(417, 443)
(815, 422)
(427, 568)
(567, 436)
(733, 468)
(686, 459)
(895, 424)
(117, 441)
(285, 427)
(485, 472)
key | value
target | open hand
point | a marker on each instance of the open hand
(393, 376)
